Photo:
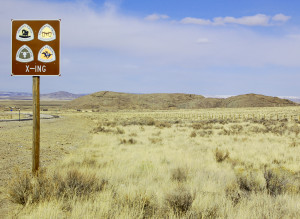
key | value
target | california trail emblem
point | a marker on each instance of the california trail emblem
(25, 33)
(24, 54)
(47, 33)
(46, 54)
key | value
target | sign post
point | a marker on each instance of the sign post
(36, 123)
(35, 52)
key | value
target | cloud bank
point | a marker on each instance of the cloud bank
(255, 20)
(129, 53)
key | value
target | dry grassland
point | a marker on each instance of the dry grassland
(171, 164)
(59, 137)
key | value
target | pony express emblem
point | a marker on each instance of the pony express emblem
(47, 33)
(25, 33)
(24, 54)
(46, 54)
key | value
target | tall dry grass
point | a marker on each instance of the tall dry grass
(152, 168)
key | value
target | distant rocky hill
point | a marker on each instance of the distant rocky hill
(61, 95)
(256, 100)
(110, 101)
(15, 96)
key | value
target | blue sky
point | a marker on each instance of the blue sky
(213, 47)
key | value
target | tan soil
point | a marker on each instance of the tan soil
(58, 138)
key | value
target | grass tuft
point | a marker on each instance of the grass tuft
(128, 141)
(179, 174)
(180, 200)
(221, 155)
(279, 181)
(20, 188)
(34, 189)
(193, 134)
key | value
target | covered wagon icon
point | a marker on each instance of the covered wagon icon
(24, 34)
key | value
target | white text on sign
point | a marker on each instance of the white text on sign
(36, 68)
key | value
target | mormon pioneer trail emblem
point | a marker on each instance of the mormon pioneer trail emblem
(24, 54)
(47, 33)
(46, 54)
(25, 33)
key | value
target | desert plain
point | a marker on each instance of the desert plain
(179, 163)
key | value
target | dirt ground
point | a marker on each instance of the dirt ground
(58, 138)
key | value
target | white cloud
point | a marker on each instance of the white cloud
(281, 18)
(255, 20)
(154, 17)
(190, 20)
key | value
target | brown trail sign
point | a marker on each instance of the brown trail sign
(35, 47)
(35, 51)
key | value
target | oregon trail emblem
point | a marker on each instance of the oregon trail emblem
(46, 54)
(25, 33)
(47, 33)
(24, 54)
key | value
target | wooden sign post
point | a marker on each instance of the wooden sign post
(36, 123)
(35, 51)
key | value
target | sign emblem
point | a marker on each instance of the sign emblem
(46, 54)
(25, 33)
(47, 33)
(24, 54)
